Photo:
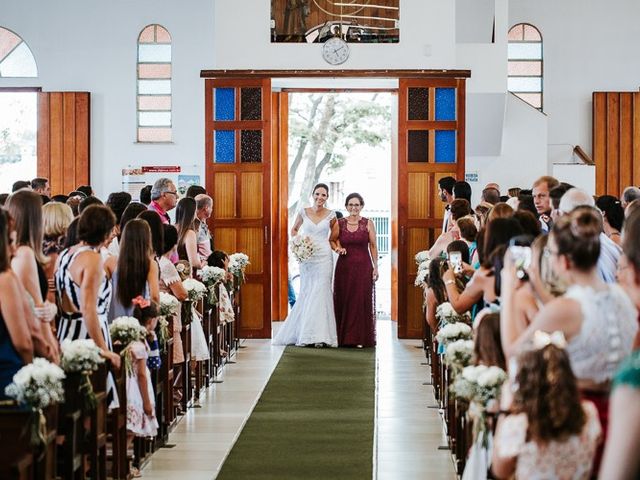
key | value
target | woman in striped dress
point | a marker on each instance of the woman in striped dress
(83, 290)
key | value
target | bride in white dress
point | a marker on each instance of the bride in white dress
(312, 320)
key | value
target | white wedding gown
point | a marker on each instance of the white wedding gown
(312, 319)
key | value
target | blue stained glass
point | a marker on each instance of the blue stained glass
(225, 103)
(445, 146)
(445, 103)
(225, 146)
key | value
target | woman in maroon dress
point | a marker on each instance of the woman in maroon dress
(354, 239)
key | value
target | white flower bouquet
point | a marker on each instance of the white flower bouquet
(37, 385)
(237, 265)
(446, 314)
(169, 305)
(422, 274)
(126, 330)
(163, 333)
(453, 332)
(302, 248)
(458, 355)
(195, 289)
(212, 276)
(422, 257)
(80, 356)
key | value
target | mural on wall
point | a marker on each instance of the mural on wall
(315, 21)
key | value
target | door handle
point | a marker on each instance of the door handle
(266, 235)
(402, 235)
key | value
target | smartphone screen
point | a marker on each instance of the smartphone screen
(521, 258)
(456, 261)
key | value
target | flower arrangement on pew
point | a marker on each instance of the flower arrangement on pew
(169, 307)
(302, 248)
(212, 277)
(195, 289)
(422, 274)
(422, 257)
(458, 355)
(37, 385)
(125, 330)
(446, 314)
(237, 265)
(453, 332)
(79, 359)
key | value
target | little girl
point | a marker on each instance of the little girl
(141, 417)
(225, 308)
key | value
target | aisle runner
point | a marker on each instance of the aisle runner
(314, 420)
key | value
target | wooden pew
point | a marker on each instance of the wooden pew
(185, 374)
(117, 426)
(165, 412)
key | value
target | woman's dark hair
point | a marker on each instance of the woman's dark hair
(630, 245)
(118, 202)
(467, 228)
(460, 207)
(462, 189)
(133, 261)
(85, 202)
(480, 245)
(498, 232)
(71, 237)
(525, 202)
(320, 185)
(217, 258)
(487, 347)
(556, 193)
(434, 279)
(170, 238)
(548, 394)
(147, 313)
(459, 246)
(5, 254)
(3, 199)
(132, 211)
(350, 196)
(25, 208)
(185, 217)
(95, 225)
(86, 189)
(145, 195)
(577, 236)
(528, 221)
(612, 210)
(194, 190)
(155, 224)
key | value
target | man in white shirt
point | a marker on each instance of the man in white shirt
(446, 195)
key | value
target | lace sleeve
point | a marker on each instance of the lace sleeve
(168, 272)
(510, 437)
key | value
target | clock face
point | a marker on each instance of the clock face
(335, 51)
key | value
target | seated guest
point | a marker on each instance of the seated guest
(16, 348)
(547, 432)
(621, 459)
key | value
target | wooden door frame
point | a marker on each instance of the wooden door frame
(279, 169)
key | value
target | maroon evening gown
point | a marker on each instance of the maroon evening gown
(353, 288)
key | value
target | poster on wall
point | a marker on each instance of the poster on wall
(135, 178)
(315, 21)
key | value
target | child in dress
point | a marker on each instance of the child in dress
(141, 416)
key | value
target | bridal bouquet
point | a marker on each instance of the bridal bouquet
(422, 257)
(37, 385)
(446, 314)
(212, 276)
(453, 332)
(195, 289)
(169, 305)
(302, 248)
(458, 355)
(79, 358)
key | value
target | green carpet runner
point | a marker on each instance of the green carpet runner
(314, 420)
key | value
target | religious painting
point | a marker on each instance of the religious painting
(316, 21)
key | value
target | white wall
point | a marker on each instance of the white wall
(427, 40)
(91, 46)
(588, 46)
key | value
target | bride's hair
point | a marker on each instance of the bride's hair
(320, 185)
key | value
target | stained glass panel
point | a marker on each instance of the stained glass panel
(418, 146)
(154, 53)
(525, 84)
(533, 99)
(225, 146)
(531, 34)
(225, 104)
(445, 146)
(251, 103)
(251, 146)
(525, 51)
(445, 103)
(530, 68)
(154, 87)
(16, 60)
(154, 70)
(154, 102)
(154, 119)
(146, 134)
(418, 104)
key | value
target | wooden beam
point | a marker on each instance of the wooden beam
(379, 73)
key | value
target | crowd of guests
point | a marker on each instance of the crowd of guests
(551, 279)
(71, 264)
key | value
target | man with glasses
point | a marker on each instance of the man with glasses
(164, 197)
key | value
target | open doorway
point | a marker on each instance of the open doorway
(344, 140)
(18, 137)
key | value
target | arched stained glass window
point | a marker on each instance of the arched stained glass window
(525, 64)
(16, 59)
(154, 85)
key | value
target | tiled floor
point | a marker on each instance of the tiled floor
(408, 433)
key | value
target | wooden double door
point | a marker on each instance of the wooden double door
(247, 175)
